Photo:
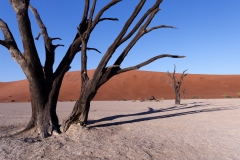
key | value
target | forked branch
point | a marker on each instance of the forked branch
(100, 13)
(10, 43)
(143, 30)
(49, 47)
(116, 43)
(9, 40)
(139, 23)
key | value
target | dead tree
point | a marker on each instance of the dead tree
(103, 72)
(44, 83)
(176, 85)
(184, 91)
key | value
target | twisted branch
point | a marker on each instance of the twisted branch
(147, 62)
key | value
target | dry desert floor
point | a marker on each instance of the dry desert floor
(197, 129)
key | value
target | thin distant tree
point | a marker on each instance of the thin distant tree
(184, 91)
(175, 84)
(103, 72)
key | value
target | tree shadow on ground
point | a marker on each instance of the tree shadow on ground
(152, 111)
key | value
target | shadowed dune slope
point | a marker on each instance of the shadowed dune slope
(133, 85)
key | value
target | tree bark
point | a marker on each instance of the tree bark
(82, 106)
(44, 97)
(177, 98)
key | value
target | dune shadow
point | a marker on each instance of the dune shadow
(152, 111)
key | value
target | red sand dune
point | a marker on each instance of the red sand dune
(133, 85)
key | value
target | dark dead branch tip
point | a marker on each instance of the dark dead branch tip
(39, 34)
(165, 26)
(158, 27)
(176, 56)
(57, 38)
(110, 19)
(94, 49)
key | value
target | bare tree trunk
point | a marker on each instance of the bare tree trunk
(44, 100)
(177, 98)
(81, 108)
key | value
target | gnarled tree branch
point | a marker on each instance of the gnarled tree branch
(39, 34)
(100, 13)
(147, 62)
(111, 19)
(57, 45)
(49, 47)
(182, 76)
(10, 43)
(157, 27)
(101, 66)
(143, 18)
(56, 38)
(140, 33)
(92, 11)
(30, 52)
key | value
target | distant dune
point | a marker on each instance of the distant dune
(133, 85)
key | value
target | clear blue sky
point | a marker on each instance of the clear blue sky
(208, 34)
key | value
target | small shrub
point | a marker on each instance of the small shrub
(227, 96)
(122, 99)
(195, 97)
(152, 98)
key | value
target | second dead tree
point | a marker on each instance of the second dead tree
(176, 85)
(104, 72)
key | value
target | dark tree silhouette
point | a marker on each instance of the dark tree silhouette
(44, 84)
(103, 72)
(176, 85)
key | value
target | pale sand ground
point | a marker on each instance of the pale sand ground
(198, 129)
